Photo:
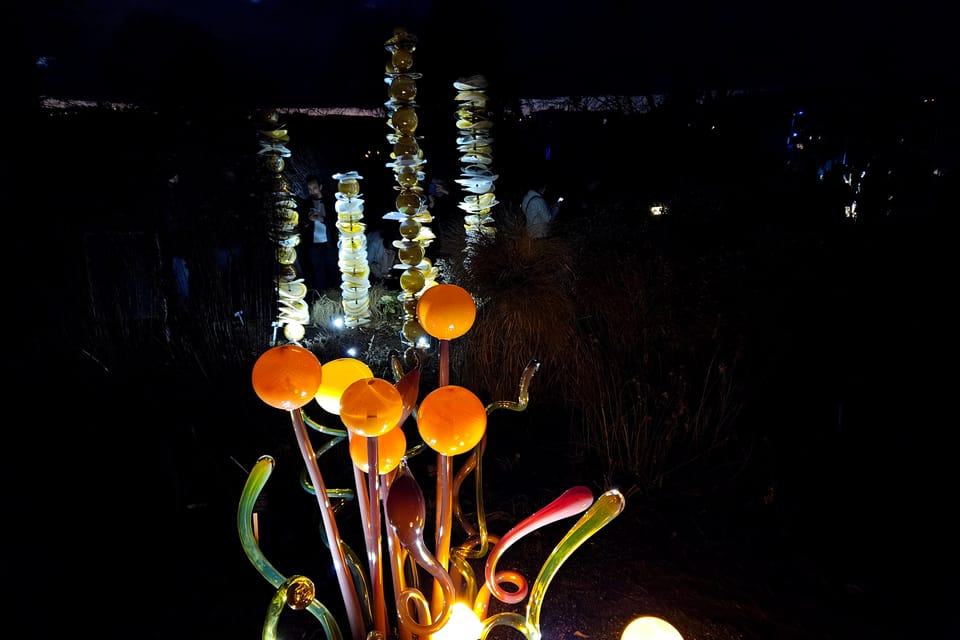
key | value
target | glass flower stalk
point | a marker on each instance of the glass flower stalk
(352, 251)
(435, 579)
(475, 145)
(418, 273)
(292, 313)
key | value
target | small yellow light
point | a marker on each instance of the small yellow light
(463, 624)
(650, 628)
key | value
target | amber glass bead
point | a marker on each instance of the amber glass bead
(411, 254)
(349, 188)
(405, 120)
(406, 146)
(274, 163)
(401, 61)
(403, 88)
(413, 333)
(407, 176)
(409, 228)
(409, 202)
(412, 280)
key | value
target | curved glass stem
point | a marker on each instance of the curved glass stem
(406, 513)
(523, 394)
(607, 507)
(294, 591)
(350, 598)
(570, 503)
(375, 540)
(511, 620)
(475, 462)
(251, 491)
(316, 426)
(398, 557)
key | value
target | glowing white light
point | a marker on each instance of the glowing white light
(658, 210)
(294, 331)
(337, 322)
(352, 352)
(650, 628)
(463, 624)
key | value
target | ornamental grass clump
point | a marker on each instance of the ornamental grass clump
(633, 347)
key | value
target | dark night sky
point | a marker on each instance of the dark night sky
(331, 54)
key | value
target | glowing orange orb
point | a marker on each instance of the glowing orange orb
(390, 449)
(337, 376)
(446, 311)
(371, 407)
(287, 377)
(451, 420)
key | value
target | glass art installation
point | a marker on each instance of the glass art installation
(475, 144)
(418, 273)
(352, 247)
(293, 313)
(440, 585)
(442, 579)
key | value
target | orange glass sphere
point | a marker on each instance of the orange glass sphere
(287, 377)
(451, 420)
(446, 311)
(371, 407)
(337, 376)
(391, 447)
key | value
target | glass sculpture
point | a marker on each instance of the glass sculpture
(434, 581)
